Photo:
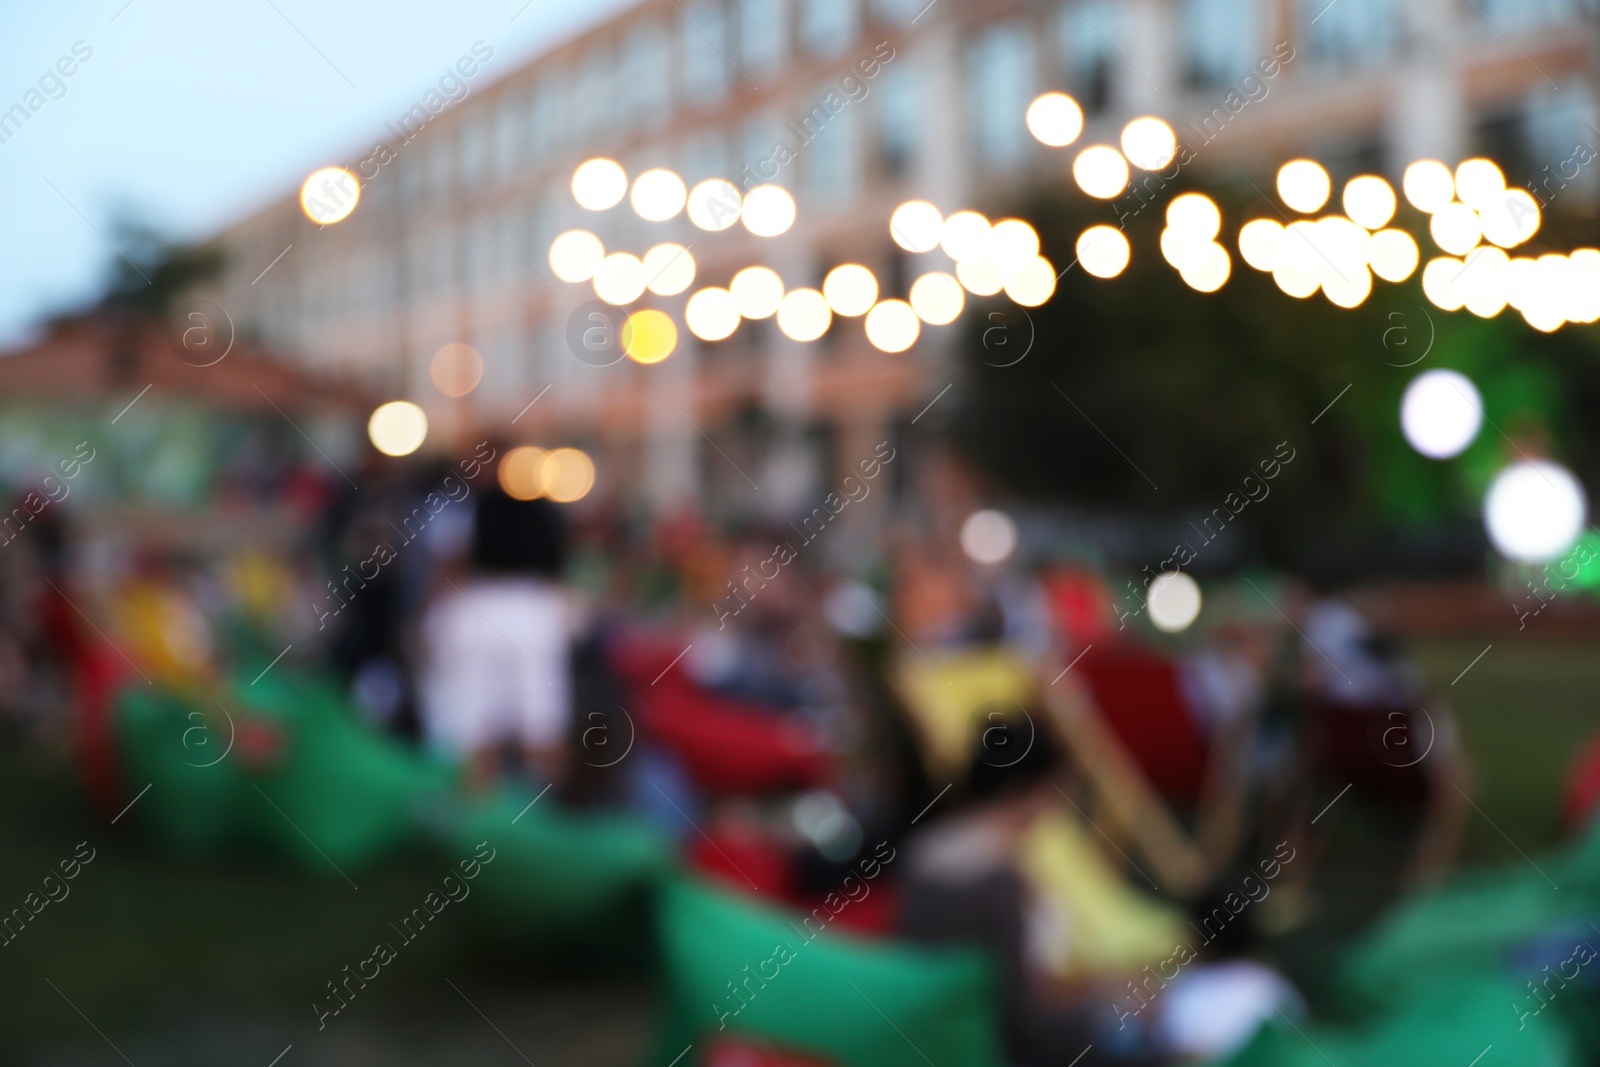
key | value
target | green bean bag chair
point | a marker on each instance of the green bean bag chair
(753, 984)
(557, 877)
(1449, 1022)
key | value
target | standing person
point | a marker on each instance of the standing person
(497, 644)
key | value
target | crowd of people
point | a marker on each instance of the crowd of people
(1095, 804)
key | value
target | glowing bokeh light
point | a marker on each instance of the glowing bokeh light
(1032, 283)
(980, 277)
(329, 195)
(599, 184)
(1455, 229)
(937, 298)
(456, 369)
(566, 475)
(1369, 201)
(916, 226)
(1429, 185)
(966, 235)
(1103, 251)
(1055, 119)
(1510, 218)
(768, 210)
(892, 326)
(757, 291)
(620, 278)
(1439, 283)
(1209, 271)
(576, 255)
(668, 269)
(658, 195)
(988, 536)
(518, 473)
(1534, 510)
(1303, 185)
(1441, 413)
(804, 315)
(1196, 214)
(1149, 143)
(649, 336)
(1261, 243)
(1174, 601)
(711, 314)
(1013, 243)
(714, 204)
(1100, 171)
(850, 289)
(1478, 183)
(1393, 255)
(397, 428)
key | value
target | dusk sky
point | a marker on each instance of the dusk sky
(188, 115)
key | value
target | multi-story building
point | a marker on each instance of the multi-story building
(450, 239)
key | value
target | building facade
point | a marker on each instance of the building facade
(463, 194)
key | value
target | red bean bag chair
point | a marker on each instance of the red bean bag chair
(729, 746)
(1141, 701)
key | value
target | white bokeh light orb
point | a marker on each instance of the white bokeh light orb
(1055, 119)
(658, 195)
(758, 291)
(576, 255)
(599, 184)
(804, 315)
(1441, 413)
(988, 536)
(1103, 251)
(1534, 510)
(1304, 185)
(1174, 601)
(1149, 143)
(329, 195)
(768, 210)
(937, 298)
(668, 269)
(714, 204)
(397, 428)
(850, 289)
(916, 226)
(1100, 171)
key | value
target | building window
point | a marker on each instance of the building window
(828, 27)
(1089, 32)
(1220, 39)
(474, 148)
(541, 121)
(647, 75)
(439, 166)
(899, 115)
(705, 155)
(762, 162)
(1350, 33)
(899, 11)
(1558, 142)
(704, 33)
(762, 34)
(830, 157)
(999, 88)
(1520, 16)
(596, 101)
(508, 134)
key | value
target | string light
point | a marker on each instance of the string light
(1100, 171)
(1429, 185)
(1055, 119)
(937, 298)
(599, 184)
(1103, 251)
(1303, 185)
(757, 291)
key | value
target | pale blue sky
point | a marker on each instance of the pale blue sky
(192, 113)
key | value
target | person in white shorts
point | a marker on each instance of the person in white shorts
(497, 645)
